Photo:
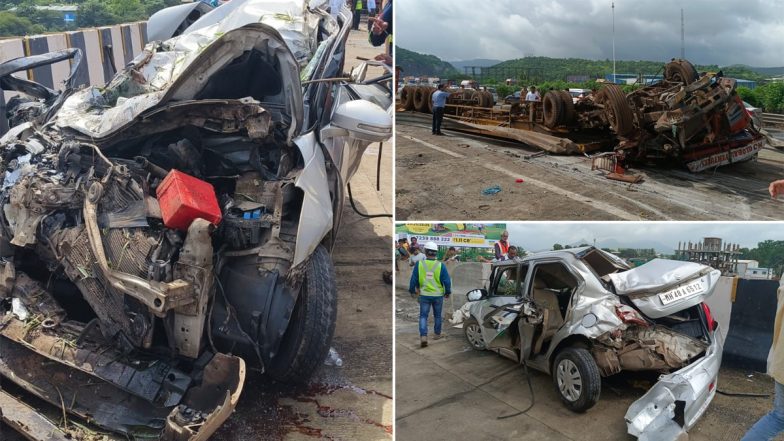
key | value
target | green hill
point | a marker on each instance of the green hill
(418, 65)
(555, 69)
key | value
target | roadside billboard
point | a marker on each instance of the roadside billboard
(472, 235)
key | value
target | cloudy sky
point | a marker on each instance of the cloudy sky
(534, 236)
(719, 32)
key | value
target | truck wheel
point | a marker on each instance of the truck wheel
(306, 341)
(420, 98)
(569, 114)
(618, 111)
(680, 71)
(576, 378)
(553, 109)
(407, 97)
(473, 333)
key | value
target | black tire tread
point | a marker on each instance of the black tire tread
(592, 380)
(614, 98)
(315, 327)
(552, 109)
(569, 113)
(407, 97)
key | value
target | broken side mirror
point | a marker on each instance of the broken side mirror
(476, 294)
(360, 119)
(358, 73)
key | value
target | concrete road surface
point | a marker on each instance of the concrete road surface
(442, 177)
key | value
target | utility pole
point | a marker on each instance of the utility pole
(683, 39)
(613, 38)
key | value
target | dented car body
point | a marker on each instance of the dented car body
(582, 314)
(166, 232)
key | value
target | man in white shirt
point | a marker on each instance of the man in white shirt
(416, 256)
(533, 95)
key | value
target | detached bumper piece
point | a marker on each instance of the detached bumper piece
(137, 397)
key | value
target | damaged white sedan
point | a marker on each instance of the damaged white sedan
(583, 314)
(159, 234)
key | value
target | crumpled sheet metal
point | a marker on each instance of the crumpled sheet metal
(650, 418)
(655, 276)
(592, 316)
(97, 112)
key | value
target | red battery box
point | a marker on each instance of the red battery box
(184, 198)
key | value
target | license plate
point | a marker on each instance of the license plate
(681, 292)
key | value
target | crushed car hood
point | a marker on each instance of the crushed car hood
(648, 285)
(178, 70)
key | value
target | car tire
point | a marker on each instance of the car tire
(577, 379)
(473, 334)
(306, 342)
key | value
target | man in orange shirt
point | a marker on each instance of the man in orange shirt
(502, 247)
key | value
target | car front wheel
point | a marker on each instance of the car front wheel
(306, 342)
(577, 379)
(473, 334)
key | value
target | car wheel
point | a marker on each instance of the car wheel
(473, 333)
(577, 379)
(306, 342)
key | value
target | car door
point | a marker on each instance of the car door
(501, 308)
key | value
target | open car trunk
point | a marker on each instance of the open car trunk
(662, 287)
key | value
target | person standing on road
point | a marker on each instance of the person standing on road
(533, 95)
(439, 101)
(430, 281)
(772, 424)
(416, 256)
(357, 10)
(502, 247)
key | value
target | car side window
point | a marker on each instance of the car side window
(507, 283)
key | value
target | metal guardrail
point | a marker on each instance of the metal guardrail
(772, 120)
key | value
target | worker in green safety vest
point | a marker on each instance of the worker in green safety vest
(357, 14)
(430, 281)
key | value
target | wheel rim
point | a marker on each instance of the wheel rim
(570, 382)
(474, 335)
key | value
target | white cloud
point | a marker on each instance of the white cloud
(717, 32)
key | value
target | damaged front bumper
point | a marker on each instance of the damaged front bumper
(104, 398)
(675, 403)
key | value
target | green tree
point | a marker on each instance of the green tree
(769, 254)
(12, 25)
(557, 247)
(94, 13)
(127, 10)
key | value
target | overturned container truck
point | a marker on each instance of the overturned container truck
(697, 121)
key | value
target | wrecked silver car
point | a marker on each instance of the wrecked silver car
(583, 314)
(164, 233)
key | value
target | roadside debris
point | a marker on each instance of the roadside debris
(489, 191)
(333, 358)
